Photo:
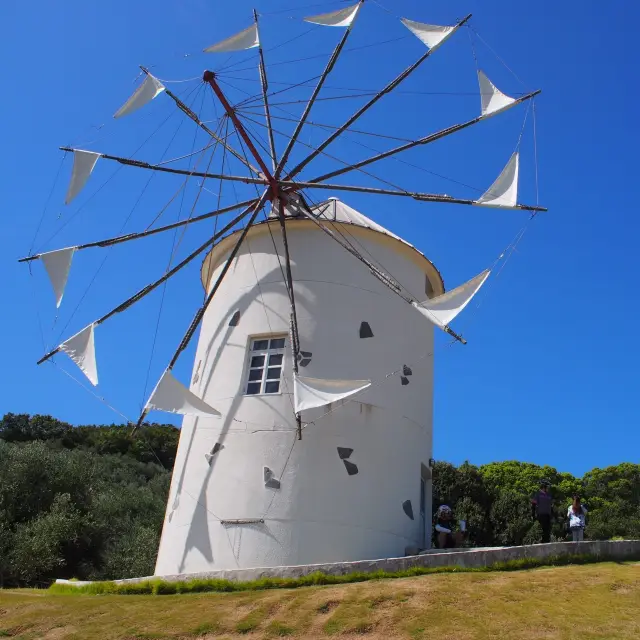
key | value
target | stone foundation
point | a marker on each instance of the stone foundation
(479, 557)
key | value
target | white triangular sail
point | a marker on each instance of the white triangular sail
(441, 310)
(504, 191)
(432, 35)
(83, 164)
(82, 350)
(491, 98)
(57, 263)
(145, 93)
(341, 18)
(172, 396)
(246, 39)
(309, 393)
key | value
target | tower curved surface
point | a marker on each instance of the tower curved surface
(245, 491)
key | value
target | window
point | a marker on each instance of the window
(264, 373)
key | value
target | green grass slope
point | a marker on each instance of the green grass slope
(586, 602)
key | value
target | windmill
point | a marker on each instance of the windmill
(308, 429)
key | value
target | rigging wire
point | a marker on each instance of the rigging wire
(90, 391)
(37, 307)
(104, 184)
(227, 68)
(324, 55)
(332, 157)
(331, 127)
(506, 66)
(289, 87)
(307, 6)
(340, 231)
(47, 201)
(535, 151)
(174, 249)
(104, 260)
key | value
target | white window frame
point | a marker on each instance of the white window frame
(269, 351)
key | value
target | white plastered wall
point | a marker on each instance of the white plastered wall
(320, 513)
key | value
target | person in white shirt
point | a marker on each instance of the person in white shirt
(577, 519)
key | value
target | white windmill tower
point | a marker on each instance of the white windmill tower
(308, 428)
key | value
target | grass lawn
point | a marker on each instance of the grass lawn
(597, 601)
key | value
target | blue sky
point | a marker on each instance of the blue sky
(550, 371)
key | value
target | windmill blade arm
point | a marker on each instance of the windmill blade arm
(182, 172)
(307, 110)
(388, 89)
(423, 197)
(202, 310)
(193, 116)
(198, 317)
(154, 285)
(109, 242)
(415, 143)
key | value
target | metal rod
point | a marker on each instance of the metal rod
(409, 145)
(265, 87)
(380, 275)
(210, 77)
(150, 287)
(312, 99)
(424, 197)
(191, 114)
(181, 172)
(390, 87)
(197, 318)
(383, 277)
(143, 234)
(292, 301)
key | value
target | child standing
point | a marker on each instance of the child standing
(577, 519)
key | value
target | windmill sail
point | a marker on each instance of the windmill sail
(317, 392)
(442, 309)
(341, 18)
(83, 164)
(432, 35)
(82, 350)
(57, 263)
(172, 396)
(247, 39)
(491, 98)
(146, 92)
(504, 191)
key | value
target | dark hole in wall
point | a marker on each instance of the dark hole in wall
(365, 330)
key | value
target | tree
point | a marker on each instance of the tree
(40, 545)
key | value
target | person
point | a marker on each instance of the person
(541, 507)
(446, 538)
(577, 519)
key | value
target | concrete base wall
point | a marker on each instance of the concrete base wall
(481, 557)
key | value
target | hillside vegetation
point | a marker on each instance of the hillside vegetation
(88, 502)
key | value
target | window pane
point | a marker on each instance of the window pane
(255, 374)
(257, 361)
(253, 388)
(259, 345)
(273, 374)
(272, 387)
(275, 359)
(277, 343)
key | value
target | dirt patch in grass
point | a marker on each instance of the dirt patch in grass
(586, 602)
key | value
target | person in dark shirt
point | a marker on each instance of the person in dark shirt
(541, 508)
(446, 537)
